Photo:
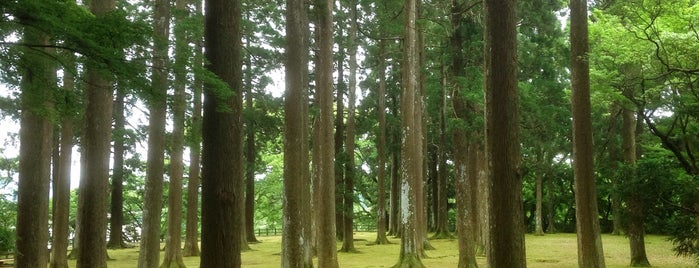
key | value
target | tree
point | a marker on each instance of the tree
(94, 180)
(36, 131)
(506, 234)
(61, 194)
(116, 239)
(465, 156)
(173, 250)
(149, 251)
(381, 219)
(411, 149)
(191, 243)
(327, 256)
(348, 202)
(590, 253)
(222, 137)
(295, 243)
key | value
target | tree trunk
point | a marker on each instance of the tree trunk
(440, 199)
(94, 182)
(61, 194)
(394, 221)
(327, 256)
(590, 253)
(506, 234)
(250, 157)
(634, 202)
(411, 149)
(551, 211)
(222, 177)
(296, 183)
(465, 175)
(381, 219)
(339, 142)
(116, 238)
(173, 249)
(35, 136)
(149, 251)
(348, 203)
(539, 221)
(191, 243)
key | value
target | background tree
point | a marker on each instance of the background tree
(327, 256)
(149, 250)
(590, 252)
(61, 194)
(116, 239)
(173, 244)
(191, 243)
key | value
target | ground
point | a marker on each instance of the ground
(558, 250)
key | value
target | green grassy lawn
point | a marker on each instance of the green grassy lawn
(558, 250)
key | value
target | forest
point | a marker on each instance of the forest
(196, 131)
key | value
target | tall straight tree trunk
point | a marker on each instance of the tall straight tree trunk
(116, 238)
(394, 221)
(339, 141)
(590, 253)
(36, 132)
(173, 249)
(411, 149)
(348, 203)
(421, 201)
(61, 194)
(191, 242)
(440, 199)
(296, 182)
(94, 182)
(222, 177)
(634, 201)
(551, 213)
(539, 221)
(465, 179)
(327, 256)
(506, 234)
(381, 219)
(250, 155)
(149, 251)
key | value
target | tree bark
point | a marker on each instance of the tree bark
(539, 221)
(327, 256)
(339, 142)
(411, 149)
(440, 199)
(173, 249)
(348, 203)
(35, 134)
(590, 253)
(250, 159)
(116, 238)
(61, 194)
(381, 219)
(296, 183)
(506, 234)
(191, 243)
(634, 201)
(149, 251)
(222, 176)
(94, 182)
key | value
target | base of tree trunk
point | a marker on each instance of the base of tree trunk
(640, 263)
(382, 240)
(409, 261)
(426, 245)
(539, 233)
(442, 234)
(348, 250)
(190, 251)
(173, 263)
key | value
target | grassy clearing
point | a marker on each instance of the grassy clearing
(558, 250)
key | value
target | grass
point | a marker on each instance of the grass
(557, 250)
